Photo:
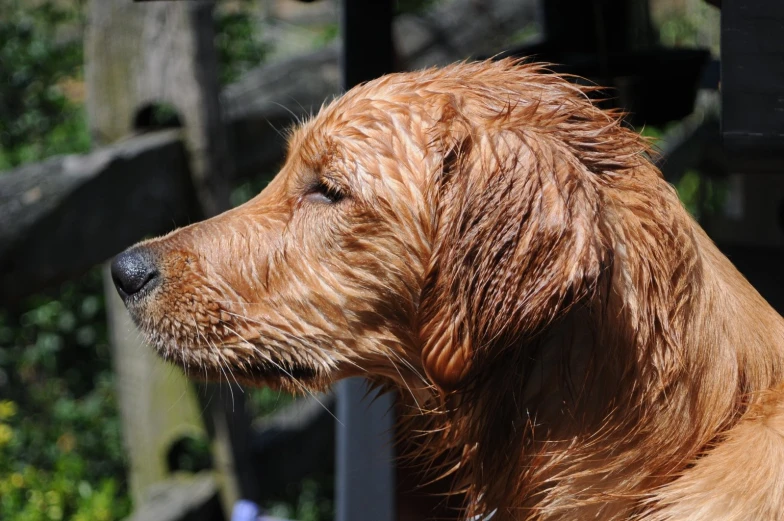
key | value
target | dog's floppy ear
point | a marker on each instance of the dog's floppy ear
(517, 242)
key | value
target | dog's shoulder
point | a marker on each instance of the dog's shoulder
(740, 478)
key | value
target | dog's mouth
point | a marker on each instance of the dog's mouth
(212, 348)
(203, 363)
(275, 375)
(279, 371)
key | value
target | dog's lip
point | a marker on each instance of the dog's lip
(258, 370)
(275, 367)
(137, 300)
(265, 370)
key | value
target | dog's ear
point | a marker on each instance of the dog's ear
(517, 242)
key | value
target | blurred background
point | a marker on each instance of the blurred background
(79, 439)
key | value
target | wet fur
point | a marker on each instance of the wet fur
(567, 341)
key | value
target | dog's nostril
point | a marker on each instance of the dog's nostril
(133, 270)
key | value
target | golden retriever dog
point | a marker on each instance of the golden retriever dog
(567, 342)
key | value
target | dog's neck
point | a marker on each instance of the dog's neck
(626, 391)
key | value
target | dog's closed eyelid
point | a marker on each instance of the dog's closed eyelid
(325, 191)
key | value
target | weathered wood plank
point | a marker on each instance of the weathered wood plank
(182, 498)
(62, 216)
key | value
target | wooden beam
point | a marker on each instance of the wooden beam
(147, 391)
(182, 498)
(139, 56)
(60, 217)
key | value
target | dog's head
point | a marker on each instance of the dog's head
(421, 224)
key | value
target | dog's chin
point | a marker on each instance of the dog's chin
(294, 379)
(211, 363)
(282, 375)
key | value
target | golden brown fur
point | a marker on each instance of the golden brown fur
(485, 240)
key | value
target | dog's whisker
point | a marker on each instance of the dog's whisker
(403, 380)
(325, 357)
(294, 380)
(213, 348)
(413, 369)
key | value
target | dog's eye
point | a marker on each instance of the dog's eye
(324, 191)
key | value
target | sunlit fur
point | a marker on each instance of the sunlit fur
(569, 343)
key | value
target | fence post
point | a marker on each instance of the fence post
(141, 58)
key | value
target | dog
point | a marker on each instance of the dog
(566, 341)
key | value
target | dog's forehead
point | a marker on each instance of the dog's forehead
(361, 120)
(361, 116)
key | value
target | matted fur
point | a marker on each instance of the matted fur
(485, 240)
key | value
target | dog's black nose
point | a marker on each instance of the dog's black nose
(133, 270)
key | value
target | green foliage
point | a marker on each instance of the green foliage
(249, 189)
(237, 42)
(326, 35)
(678, 31)
(264, 401)
(310, 502)
(61, 454)
(701, 195)
(689, 23)
(650, 132)
(35, 495)
(35, 116)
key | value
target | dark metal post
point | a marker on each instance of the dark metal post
(365, 458)
(366, 30)
(364, 455)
